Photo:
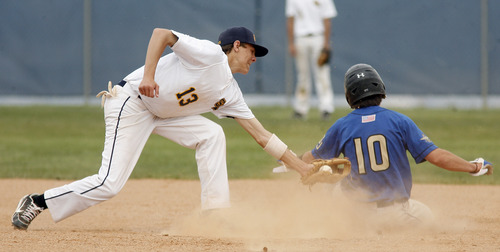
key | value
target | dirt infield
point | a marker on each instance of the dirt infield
(272, 215)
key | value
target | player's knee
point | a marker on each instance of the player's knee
(215, 133)
(110, 190)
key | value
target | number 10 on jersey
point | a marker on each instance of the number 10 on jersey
(375, 144)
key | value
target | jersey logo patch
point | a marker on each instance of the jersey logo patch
(320, 143)
(368, 118)
(218, 104)
(425, 138)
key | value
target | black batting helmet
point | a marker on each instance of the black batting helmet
(361, 81)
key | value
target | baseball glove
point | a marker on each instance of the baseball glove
(339, 168)
(324, 57)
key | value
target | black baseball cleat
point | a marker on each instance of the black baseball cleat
(325, 116)
(26, 211)
(299, 116)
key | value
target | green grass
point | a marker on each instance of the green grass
(66, 143)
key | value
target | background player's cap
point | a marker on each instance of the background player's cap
(244, 35)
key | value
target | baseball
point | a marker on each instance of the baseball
(326, 168)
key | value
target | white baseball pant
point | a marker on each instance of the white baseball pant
(308, 51)
(128, 127)
(411, 213)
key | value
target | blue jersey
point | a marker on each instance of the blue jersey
(376, 140)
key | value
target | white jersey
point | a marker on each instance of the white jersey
(193, 80)
(309, 14)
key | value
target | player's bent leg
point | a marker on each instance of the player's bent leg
(212, 169)
(403, 215)
(128, 126)
(420, 213)
(207, 138)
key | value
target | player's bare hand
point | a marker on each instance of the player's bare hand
(149, 88)
(309, 168)
(292, 50)
(303, 171)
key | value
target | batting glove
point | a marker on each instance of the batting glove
(111, 92)
(486, 167)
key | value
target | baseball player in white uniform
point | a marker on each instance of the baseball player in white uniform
(308, 32)
(166, 97)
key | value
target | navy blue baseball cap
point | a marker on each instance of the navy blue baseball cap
(244, 35)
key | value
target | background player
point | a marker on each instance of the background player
(166, 97)
(375, 140)
(308, 32)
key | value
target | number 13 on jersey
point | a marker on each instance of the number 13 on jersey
(185, 101)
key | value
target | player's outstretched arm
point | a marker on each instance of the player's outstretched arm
(449, 161)
(273, 145)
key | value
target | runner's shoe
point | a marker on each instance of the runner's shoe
(26, 211)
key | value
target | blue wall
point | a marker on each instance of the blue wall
(419, 47)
